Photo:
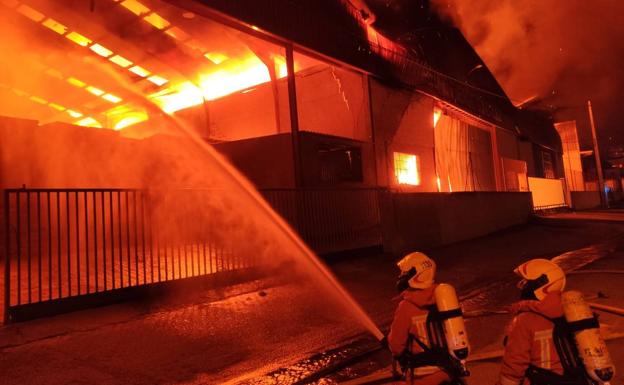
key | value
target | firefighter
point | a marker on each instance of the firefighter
(408, 335)
(529, 349)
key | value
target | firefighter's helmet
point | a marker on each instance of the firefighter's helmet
(540, 277)
(417, 271)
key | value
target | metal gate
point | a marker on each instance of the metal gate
(67, 245)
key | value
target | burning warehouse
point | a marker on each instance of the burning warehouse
(356, 134)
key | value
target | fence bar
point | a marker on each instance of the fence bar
(49, 245)
(120, 244)
(112, 237)
(7, 256)
(28, 251)
(136, 239)
(68, 244)
(143, 238)
(95, 241)
(77, 207)
(86, 222)
(58, 243)
(102, 201)
(18, 240)
(128, 257)
(39, 241)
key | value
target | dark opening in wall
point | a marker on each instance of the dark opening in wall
(339, 163)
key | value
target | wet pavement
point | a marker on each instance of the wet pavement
(275, 331)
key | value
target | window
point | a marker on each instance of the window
(339, 163)
(407, 168)
(547, 163)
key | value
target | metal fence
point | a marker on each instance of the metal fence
(61, 245)
(65, 243)
(331, 220)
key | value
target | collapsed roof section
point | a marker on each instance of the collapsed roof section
(427, 53)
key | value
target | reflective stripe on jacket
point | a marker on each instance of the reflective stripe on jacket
(410, 318)
(530, 339)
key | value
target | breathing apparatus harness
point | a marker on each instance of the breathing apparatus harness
(563, 339)
(437, 354)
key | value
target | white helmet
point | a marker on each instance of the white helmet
(417, 271)
(540, 277)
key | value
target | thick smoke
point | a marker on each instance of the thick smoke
(560, 52)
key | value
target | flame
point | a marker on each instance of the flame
(216, 57)
(241, 75)
(130, 119)
(89, 122)
(437, 113)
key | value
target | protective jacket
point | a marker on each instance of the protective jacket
(410, 318)
(529, 339)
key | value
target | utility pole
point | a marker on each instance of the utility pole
(604, 199)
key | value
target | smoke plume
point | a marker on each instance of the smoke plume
(560, 52)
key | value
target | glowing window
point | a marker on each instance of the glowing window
(157, 21)
(76, 82)
(55, 26)
(101, 50)
(121, 61)
(30, 13)
(95, 91)
(135, 7)
(142, 72)
(177, 33)
(215, 57)
(78, 38)
(158, 80)
(407, 168)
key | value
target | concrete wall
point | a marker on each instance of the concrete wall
(416, 221)
(583, 200)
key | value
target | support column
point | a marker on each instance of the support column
(294, 117)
